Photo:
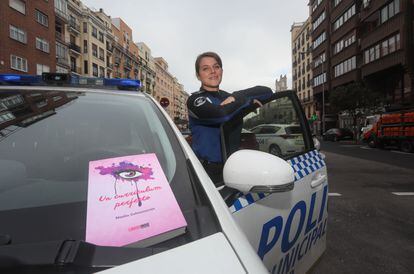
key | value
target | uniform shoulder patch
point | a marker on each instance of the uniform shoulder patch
(199, 101)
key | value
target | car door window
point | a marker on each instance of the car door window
(277, 128)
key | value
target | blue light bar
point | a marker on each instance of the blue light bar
(122, 83)
(20, 79)
(67, 79)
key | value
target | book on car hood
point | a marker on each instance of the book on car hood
(130, 202)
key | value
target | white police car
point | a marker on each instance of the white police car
(270, 216)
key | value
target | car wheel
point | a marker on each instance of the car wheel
(275, 150)
(406, 146)
(335, 138)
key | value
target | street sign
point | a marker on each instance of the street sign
(164, 102)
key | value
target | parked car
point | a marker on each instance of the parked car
(338, 134)
(51, 133)
(279, 139)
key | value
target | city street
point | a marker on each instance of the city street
(371, 213)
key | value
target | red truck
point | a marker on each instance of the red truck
(392, 129)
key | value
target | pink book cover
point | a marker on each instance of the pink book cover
(129, 200)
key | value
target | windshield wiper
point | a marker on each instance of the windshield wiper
(74, 252)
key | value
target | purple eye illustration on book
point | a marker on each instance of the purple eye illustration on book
(127, 172)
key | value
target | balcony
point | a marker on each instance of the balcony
(109, 48)
(63, 61)
(110, 66)
(117, 60)
(128, 65)
(61, 15)
(75, 48)
(60, 37)
(74, 26)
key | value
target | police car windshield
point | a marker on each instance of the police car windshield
(47, 139)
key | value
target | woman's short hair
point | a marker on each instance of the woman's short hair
(207, 54)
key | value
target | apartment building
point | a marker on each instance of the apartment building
(27, 29)
(61, 35)
(147, 68)
(109, 41)
(369, 41)
(180, 103)
(125, 51)
(164, 84)
(75, 36)
(387, 49)
(302, 75)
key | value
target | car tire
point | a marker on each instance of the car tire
(275, 150)
(406, 146)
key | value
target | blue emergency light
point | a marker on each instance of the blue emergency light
(19, 79)
(67, 79)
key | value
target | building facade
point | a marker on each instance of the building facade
(147, 68)
(302, 63)
(126, 58)
(27, 30)
(368, 41)
(164, 84)
(281, 83)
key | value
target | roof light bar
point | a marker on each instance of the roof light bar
(67, 79)
(19, 79)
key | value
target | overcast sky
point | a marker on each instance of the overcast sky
(251, 36)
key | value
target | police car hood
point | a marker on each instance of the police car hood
(212, 254)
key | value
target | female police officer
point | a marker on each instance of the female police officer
(210, 107)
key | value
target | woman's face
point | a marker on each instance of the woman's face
(210, 74)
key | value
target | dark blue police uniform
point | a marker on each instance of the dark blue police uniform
(206, 116)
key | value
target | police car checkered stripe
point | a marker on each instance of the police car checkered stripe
(302, 165)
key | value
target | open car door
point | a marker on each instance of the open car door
(288, 228)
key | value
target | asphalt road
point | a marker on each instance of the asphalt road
(371, 210)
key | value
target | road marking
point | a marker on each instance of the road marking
(366, 148)
(400, 152)
(333, 194)
(403, 193)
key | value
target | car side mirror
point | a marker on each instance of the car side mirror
(256, 171)
(316, 143)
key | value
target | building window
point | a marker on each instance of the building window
(85, 67)
(101, 37)
(61, 51)
(389, 11)
(344, 42)
(318, 21)
(319, 80)
(42, 68)
(42, 18)
(94, 50)
(18, 34)
(94, 32)
(344, 17)
(85, 27)
(345, 66)
(94, 69)
(382, 49)
(101, 54)
(320, 60)
(18, 5)
(42, 44)
(317, 3)
(321, 38)
(85, 46)
(101, 72)
(336, 2)
(18, 63)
